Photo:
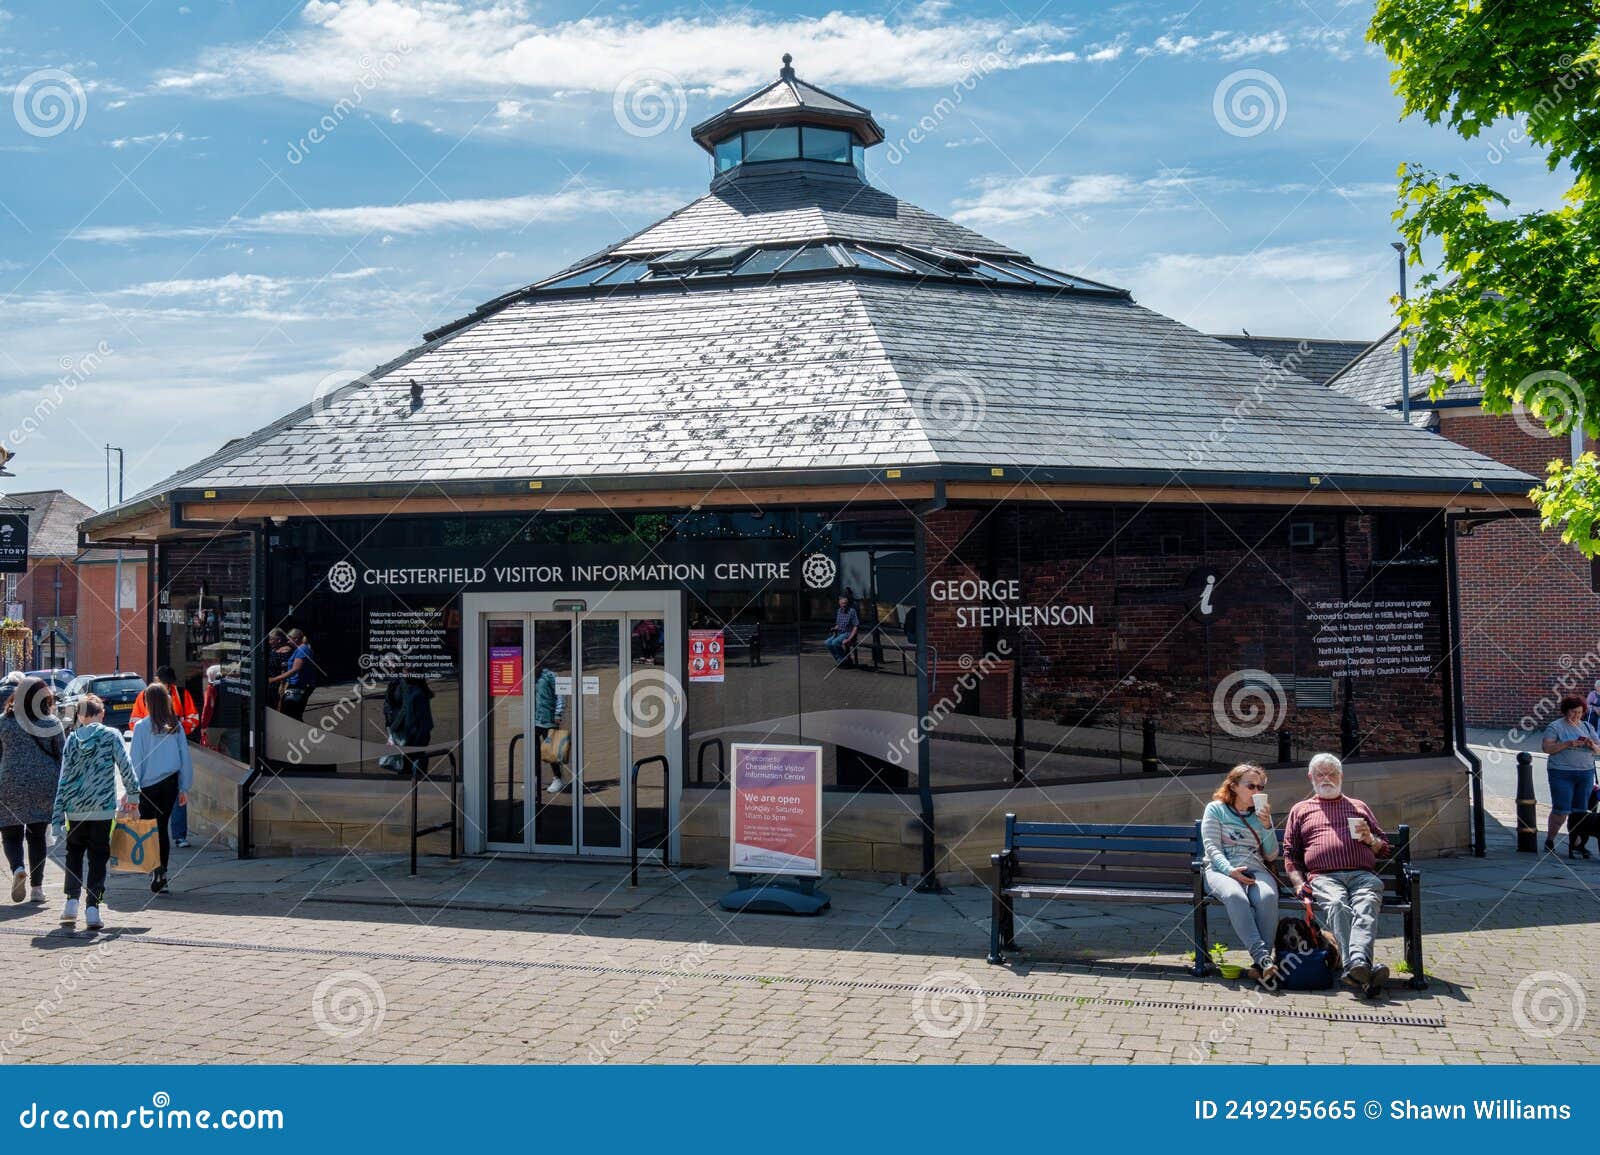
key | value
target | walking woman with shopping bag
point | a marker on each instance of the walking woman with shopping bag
(161, 760)
(86, 803)
(31, 739)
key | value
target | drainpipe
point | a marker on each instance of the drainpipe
(1405, 351)
(929, 882)
(1457, 694)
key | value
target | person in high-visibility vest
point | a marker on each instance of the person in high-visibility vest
(182, 702)
(189, 718)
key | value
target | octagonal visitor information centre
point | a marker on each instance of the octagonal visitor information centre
(802, 463)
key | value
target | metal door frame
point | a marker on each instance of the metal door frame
(476, 609)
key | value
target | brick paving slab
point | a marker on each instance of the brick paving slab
(500, 961)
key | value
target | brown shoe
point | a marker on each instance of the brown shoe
(1375, 981)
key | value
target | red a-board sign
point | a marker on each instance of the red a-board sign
(707, 655)
(776, 815)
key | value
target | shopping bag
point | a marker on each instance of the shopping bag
(134, 847)
(557, 745)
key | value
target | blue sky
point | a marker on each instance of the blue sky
(183, 258)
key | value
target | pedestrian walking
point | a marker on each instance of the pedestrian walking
(1570, 744)
(414, 721)
(161, 760)
(31, 740)
(189, 718)
(92, 761)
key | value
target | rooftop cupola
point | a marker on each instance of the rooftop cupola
(788, 120)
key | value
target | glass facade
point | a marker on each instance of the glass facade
(1063, 644)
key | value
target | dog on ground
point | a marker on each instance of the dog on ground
(1295, 936)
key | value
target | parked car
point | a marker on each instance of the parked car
(58, 678)
(117, 691)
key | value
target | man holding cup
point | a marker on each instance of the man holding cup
(1331, 844)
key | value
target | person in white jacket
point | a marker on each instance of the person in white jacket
(160, 758)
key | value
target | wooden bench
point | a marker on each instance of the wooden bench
(1073, 862)
(748, 637)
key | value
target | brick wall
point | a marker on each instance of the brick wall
(97, 624)
(1530, 618)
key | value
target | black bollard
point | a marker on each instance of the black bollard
(1527, 815)
(1285, 746)
(1151, 763)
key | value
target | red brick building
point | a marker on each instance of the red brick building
(46, 596)
(112, 637)
(1530, 614)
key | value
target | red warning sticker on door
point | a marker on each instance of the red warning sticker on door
(707, 655)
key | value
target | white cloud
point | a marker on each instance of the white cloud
(1010, 200)
(1002, 201)
(1312, 290)
(419, 217)
(448, 49)
(156, 138)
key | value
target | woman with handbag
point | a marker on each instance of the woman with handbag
(161, 760)
(86, 804)
(31, 741)
(1239, 845)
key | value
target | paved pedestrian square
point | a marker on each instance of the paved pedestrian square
(348, 959)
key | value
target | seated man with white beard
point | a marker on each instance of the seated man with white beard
(1331, 844)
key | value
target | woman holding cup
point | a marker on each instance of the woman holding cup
(1239, 843)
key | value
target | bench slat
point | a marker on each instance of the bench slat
(1090, 876)
(1101, 894)
(1185, 849)
(1130, 858)
(1101, 830)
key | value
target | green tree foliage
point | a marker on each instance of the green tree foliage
(1516, 305)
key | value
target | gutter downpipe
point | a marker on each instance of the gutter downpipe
(929, 882)
(1458, 704)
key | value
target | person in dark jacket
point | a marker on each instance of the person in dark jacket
(31, 741)
(414, 721)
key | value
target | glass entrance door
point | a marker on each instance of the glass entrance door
(571, 699)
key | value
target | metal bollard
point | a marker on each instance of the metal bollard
(1285, 746)
(1527, 814)
(1148, 760)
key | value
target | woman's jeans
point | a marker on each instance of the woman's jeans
(12, 837)
(1253, 910)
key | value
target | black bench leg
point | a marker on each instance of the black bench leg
(1009, 905)
(1202, 958)
(996, 914)
(1419, 980)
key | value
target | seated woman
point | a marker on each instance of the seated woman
(1238, 843)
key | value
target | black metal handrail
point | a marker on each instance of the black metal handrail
(700, 761)
(246, 792)
(415, 756)
(511, 760)
(633, 812)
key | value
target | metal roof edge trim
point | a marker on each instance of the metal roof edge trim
(1000, 473)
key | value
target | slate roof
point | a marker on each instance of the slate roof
(53, 517)
(1314, 358)
(1374, 378)
(837, 372)
(828, 370)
